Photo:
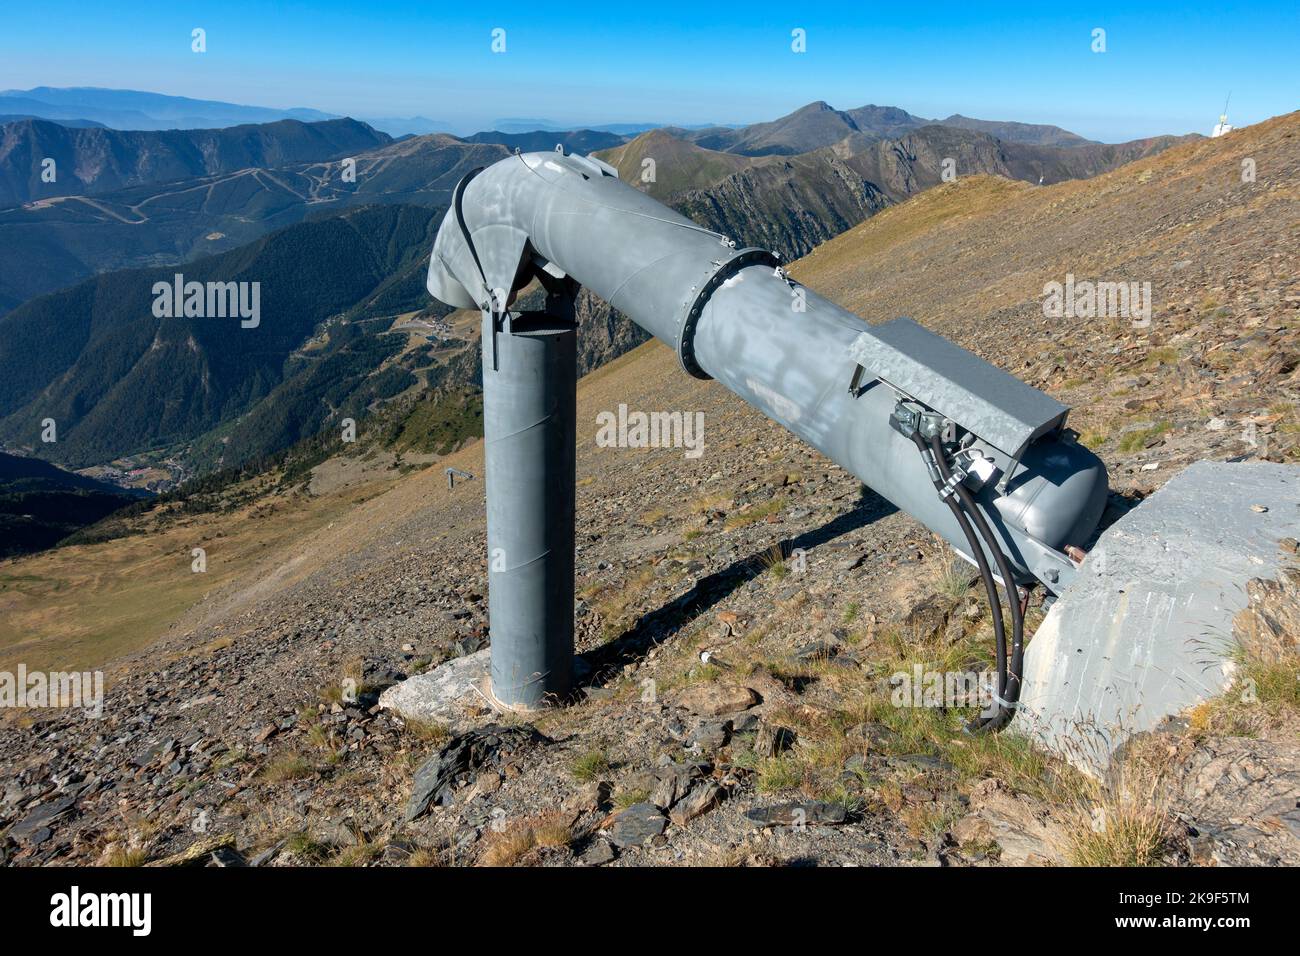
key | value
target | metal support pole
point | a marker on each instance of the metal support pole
(529, 407)
(453, 474)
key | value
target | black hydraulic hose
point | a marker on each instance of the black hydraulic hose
(1010, 696)
(986, 574)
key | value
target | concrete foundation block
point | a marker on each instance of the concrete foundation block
(1147, 629)
(450, 693)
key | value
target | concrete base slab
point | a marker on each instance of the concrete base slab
(1146, 630)
(456, 691)
(448, 694)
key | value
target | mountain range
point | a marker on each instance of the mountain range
(138, 110)
(334, 219)
(820, 124)
(118, 380)
(90, 161)
(59, 239)
(790, 203)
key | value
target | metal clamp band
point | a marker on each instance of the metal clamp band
(724, 271)
(957, 477)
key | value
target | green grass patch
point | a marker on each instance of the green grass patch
(590, 765)
(1136, 440)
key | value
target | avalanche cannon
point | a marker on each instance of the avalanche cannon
(976, 455)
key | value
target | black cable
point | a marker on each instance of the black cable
(1009, 696)
(986, 574)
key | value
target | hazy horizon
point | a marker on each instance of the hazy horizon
(1165, 69)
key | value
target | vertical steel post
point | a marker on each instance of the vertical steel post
(530, 373)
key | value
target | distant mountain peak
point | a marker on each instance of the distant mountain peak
(143, 110)
(1034, 134)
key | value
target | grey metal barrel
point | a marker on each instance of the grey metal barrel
(828, 376)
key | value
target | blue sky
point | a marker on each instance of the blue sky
(1166, 69)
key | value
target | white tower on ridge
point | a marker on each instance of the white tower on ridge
(1222, 127)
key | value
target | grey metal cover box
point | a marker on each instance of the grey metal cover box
(980, 397)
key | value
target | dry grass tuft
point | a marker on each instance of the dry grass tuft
(287, 766)
(511, 844)
(553, 829)
(1126, 821)
(955, 577)
(1119, 833)
(423, 857)
(125, 856)
(753, 513)
(772, 561)
(430, 731)
(361, 853)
